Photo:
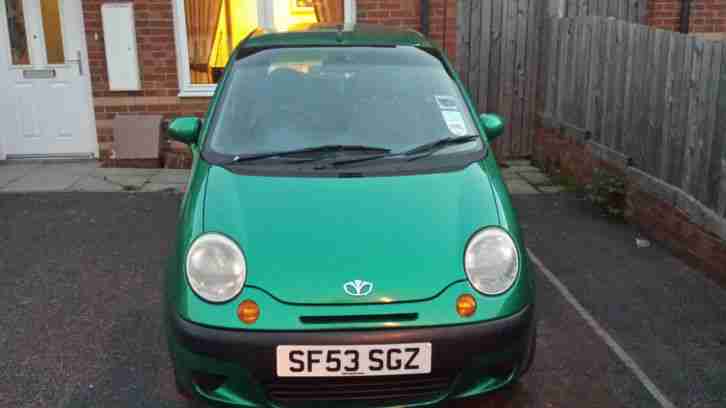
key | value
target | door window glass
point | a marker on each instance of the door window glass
(50, 11)
(16, 27)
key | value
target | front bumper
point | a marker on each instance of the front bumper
(467, 359)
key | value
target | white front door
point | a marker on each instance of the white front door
(46, 102)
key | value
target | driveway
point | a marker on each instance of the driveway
(81, 278)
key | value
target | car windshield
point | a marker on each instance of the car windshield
(393, 98)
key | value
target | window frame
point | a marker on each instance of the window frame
(265, 17)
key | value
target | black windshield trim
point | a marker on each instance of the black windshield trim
(387, 168)
(245, 52)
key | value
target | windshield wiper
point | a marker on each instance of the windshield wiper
(429, 148)
(309, 150)
(415, 153)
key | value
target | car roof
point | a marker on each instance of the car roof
(322, 34)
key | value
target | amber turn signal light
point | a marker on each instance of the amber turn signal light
(465, 305)
(248, 312)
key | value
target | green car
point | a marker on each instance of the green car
(346, 238)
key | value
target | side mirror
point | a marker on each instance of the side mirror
(185, 129)
(493, 125)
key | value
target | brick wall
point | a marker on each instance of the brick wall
(707, 16)
(407, 14)
(158, 71)
(157, 60)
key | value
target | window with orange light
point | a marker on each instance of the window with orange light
(215, 27)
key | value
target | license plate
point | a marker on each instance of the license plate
(340, 361)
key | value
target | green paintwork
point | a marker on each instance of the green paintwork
(493, 125)
(185, 130)
(304, 237)
(344, 229)
(371, 226)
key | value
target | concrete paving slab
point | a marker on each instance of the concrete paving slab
(536, 178)
(127, 182)
(151, 186)
(519, 163)
(512, 176)
(520, 187)
(526, 169)
(86, 176)
(43, 181)
(551, 189)
(171, 176)
(14, 171)
(124, 172)
(89, 183)
(76, 168)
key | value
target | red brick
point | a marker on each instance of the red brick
(706, 15)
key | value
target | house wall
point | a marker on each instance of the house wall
(158, 63)
(407, 14)
(707, 16)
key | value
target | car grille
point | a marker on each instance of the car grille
(370, 318)
(393, 389)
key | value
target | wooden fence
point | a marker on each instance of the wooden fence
(497, 59)
(635, 11)
(498, 55)
(656, 96)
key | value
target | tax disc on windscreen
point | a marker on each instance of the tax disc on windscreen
(455, 122)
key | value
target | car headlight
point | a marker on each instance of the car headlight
(491, 261)
(216, 268)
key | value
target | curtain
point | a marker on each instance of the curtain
(329, 11)
(202, 19)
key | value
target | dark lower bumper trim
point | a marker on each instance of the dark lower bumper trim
(255, 350)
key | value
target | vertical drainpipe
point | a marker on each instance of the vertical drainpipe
(425, 17)
(445, 26)
(685, 16)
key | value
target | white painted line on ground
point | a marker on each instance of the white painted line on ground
(614, 346)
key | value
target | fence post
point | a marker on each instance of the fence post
(711, 73)
(550, 94)
(462, 39)
(556, 8)
(485, 49)
(673, 64)
(565, 38)
(475, 30)
(495, 56)
(595, 80)
(718, 158)
(695, 113)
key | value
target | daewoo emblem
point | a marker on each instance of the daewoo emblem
(358, 288)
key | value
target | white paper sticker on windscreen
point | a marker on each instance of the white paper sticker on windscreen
(455, 122)
(446, 102)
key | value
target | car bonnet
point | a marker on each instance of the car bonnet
(307, 240)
